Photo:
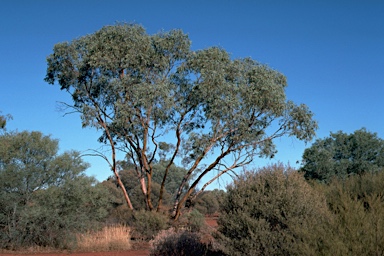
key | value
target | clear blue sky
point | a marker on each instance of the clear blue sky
(331, 51)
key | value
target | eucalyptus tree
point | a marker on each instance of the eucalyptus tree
(150, 93)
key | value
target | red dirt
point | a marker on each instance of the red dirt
(124, 253)
(140, 249)
(211, 221)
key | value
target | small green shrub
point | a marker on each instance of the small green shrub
(195, 221)
(191, 220)
(147, 224)
(208, 202)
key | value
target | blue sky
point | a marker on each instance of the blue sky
(332, 53)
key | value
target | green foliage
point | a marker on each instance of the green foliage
(358, 206)
(45, 198)
(3, 122)
(273, 211)
(174, 177)
(55, 215)
(130, 178)
(143, 89)
(208, 202)
(194, 221)
(146, 224)
(341, 155)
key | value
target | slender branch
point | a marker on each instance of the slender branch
(98, 154)
(155, 143)
(177, 207)
(235, 165)
(178, 136)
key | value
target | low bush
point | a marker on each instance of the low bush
(172, 243)
(274, 211)
(189, 220)
(146, 224)
(208, 202)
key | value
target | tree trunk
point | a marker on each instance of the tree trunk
(123, 189)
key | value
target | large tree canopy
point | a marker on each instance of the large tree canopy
(148, 93)
(341, 155)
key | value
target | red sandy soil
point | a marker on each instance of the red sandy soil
(124, 253)
(134, 252)
(141, 249)
(211, 221)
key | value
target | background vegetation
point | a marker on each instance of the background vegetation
(45, 198)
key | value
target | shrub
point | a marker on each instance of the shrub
(147, 224)
(171, 243)
(195, 221)
(191, 220)
(273, 211)
(358, 206)
(209, 202)
(53, 216)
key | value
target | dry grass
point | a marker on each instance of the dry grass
(108, 239)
